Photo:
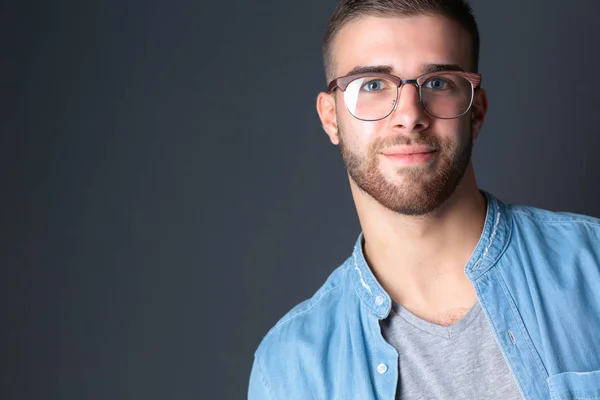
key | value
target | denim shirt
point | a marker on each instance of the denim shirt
(537, 277)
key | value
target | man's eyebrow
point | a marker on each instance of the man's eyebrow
(371, 68)
(428, 68)
(388, 69)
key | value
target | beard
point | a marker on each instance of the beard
(423, 188)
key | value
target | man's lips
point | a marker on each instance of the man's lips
(408, 150)
(410, 155)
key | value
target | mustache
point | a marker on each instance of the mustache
(413, 140)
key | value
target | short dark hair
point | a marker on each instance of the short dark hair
(348, 10)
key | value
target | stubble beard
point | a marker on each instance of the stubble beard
(422, 189)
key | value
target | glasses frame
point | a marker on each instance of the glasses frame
(343, 82)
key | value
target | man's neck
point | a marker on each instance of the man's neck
(420, 260)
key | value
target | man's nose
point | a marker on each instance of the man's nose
(409, 114)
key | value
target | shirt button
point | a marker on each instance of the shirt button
(382, 368)
(379, 300)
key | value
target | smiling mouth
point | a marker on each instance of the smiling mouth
(411, 158)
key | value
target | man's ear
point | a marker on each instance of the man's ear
(327, 113)
(478, 111)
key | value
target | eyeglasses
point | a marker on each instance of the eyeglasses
(372, 96)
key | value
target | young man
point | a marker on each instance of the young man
(449, 293)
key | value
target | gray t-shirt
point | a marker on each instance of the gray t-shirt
(461, 361)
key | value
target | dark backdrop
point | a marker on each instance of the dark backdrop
(168, 193)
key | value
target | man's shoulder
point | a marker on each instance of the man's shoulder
(524, 215)
(543, 240)
(309, 317)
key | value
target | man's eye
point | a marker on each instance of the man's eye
(373, 86)
(436, 84)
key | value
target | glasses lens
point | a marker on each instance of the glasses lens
(446, 95)
(370, 98)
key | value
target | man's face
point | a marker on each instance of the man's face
(408, 184)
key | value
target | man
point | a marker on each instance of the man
(449, 293)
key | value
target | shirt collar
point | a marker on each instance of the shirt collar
(492, 243)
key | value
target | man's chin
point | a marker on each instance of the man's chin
(411, 196)
(409, 182)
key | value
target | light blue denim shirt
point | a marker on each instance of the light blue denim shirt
(537, 277)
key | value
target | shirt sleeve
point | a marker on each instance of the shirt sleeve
(257, 389)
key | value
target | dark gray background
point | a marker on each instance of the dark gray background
(168, 192)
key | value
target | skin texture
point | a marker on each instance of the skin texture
(412, 190)
(421, 221)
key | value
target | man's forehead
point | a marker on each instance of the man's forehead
(406, 44)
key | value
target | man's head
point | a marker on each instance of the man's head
(349, 10)
(406, 38)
